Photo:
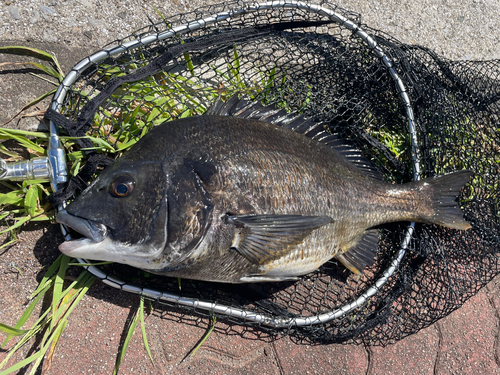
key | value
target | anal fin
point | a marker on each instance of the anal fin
(362, 253)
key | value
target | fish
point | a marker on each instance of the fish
(247, 193)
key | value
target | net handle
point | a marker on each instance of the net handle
(248, 316)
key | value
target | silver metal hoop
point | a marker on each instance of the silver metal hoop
(247, 316)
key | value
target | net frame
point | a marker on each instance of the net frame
(277, 321)
(243, 315)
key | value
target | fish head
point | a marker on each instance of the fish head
(123, 215)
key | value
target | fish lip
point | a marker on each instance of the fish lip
(95, 232)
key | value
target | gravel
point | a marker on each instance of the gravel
(14, 12)
(461, 29)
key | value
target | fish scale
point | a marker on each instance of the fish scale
(239, 199)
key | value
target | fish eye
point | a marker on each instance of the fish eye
(122, 186)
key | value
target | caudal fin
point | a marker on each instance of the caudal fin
(446, 188)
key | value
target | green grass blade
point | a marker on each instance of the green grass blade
(11, 331)
(37, 327)
(130, 333)
(159, 13)
(4, 214)
(50, 272)
(205, 337)
(25, 133)
(7, 185)
(27, 183)
(17, 211)
(19, 222)
(31, 200)
(100, 143)
(58, 67)
(23, 363)
(80, 280)
(52, 350)
(236, 68)
(68, 301)
(8, 244)
(74, 156)
(46, 343)
(143, 329)
(58, 285)
(11, 154)
(126, 145)
(87, 280)
(27, 51)
(44, 79)
(39, 99)
(44, 217)
(11, 198)
(189, 63)
(36, 364)
(44, 68)
(24, 142)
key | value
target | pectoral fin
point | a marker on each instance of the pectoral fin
(362, 253)
(264, 238)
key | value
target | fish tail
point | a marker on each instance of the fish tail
(445, 189)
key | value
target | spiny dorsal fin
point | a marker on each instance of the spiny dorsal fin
(245, 108)
(352, 155)
(255, 110)
(264, 238)
(362, 253)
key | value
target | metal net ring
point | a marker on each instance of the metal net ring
(273, 321)
(240, 314)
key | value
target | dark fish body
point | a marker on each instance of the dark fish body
(233, 199)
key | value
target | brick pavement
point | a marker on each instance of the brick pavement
(465, 342)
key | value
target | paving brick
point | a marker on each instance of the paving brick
(415, 355)
(173, 335)
(206, 361)
(493, 292)
(466, 342)
(91, 342)
(321, 359)
(469, 338)
(234, 346)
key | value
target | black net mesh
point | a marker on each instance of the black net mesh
(331, 74)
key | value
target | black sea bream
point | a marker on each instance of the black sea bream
(231, 197)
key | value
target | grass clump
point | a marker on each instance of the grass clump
(23, 202)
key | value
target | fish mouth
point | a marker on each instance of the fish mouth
(92, 231)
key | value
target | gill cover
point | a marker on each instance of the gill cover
(189, 208)
(129, 198)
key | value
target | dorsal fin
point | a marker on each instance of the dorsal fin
(255, 110)
(352, 155)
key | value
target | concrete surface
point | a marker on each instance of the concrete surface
(465, 342)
